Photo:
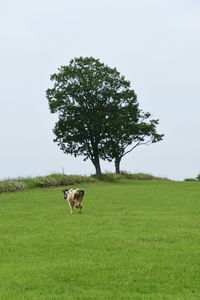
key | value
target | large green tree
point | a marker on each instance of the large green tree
(98, 113)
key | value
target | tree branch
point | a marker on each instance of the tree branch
(138, 144)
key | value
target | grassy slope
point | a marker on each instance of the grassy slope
(135, 240)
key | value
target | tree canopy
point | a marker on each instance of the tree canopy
(98, 112)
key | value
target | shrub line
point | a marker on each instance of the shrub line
(56, 180)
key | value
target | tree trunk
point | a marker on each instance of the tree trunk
(97, 166)
(117, 166)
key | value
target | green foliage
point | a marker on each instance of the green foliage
(57, 179)
(135, 240)
(193, 179)
(98, 112)
(84, 95)
(128, 129)
(12, 186)
(198, 177)
(142, 176)
(113, 177)
(52, 180)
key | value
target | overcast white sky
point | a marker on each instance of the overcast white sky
(154, 43)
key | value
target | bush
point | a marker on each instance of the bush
(189, 179)
(111, 177)
(141, 176)
(54, 180)
(12, 186)
(198, 177)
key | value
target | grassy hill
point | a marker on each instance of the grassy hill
(135, 240)
(53, 180)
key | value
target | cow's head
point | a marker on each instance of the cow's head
(82, 192)
(65, 193)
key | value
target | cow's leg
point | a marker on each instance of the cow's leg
(80, 209)
(70, 207)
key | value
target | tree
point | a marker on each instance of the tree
(134, 129)
(84, 95)
(98, 112)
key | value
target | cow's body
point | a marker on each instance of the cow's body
(74, 198)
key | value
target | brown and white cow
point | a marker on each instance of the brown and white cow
(74, 198)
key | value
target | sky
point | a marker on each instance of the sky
(155, 44)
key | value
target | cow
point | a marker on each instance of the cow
(74, 198)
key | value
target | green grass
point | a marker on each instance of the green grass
(135, 240)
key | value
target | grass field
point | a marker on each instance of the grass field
(135, 240)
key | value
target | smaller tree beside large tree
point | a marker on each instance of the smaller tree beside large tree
(134, 128)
